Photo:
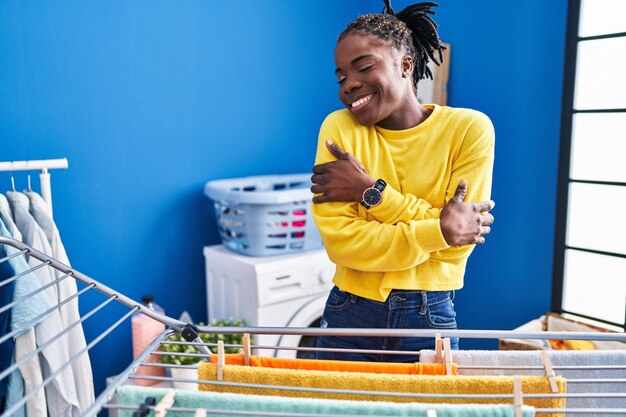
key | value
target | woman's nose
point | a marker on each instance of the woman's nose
(351, 84)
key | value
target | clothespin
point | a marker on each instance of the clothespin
(447, 353)
(547, 366)
(144, 409)
(165, 404)
(518, 396)
(246, 349)
(438, 347)
(431, 413)
(200, 412)
(221, 360)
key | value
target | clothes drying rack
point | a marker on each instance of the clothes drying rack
(106, 400)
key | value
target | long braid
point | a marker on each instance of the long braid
(387, 9)
(411, 29)
(425, 37)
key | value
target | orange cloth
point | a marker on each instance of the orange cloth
(572, 345)
(341, 366)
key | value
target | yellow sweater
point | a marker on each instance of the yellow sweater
(398, 244)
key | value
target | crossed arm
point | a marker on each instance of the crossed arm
(345, 179)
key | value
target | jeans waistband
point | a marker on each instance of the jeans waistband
(419, 297)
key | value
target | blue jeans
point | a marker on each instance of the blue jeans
(401, 310)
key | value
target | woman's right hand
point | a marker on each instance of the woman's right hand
(465, 223)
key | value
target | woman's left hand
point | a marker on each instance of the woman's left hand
(342, 180)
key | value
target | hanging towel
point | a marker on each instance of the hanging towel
(339, 366)
(81, 367)
(131, 395)
(61, 397)
(376, 382)
(29, 373)
(557, 358)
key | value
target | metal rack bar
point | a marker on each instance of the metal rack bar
(380, 393)
(108, 393)
(168, 321)
(339, 350)
(17, 364)
(49, 379)
(15, 255)
(279, 414)
(35, 320)
(32, 294)
(466, 334)
(595, 411)
(235, 413)
(21, 274)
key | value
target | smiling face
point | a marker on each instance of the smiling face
(374, 80)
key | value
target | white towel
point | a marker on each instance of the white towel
(557, 358)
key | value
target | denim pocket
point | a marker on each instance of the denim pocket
(337, 299)
(441, 315)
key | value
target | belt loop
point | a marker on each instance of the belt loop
(424, 302)
(353, 298)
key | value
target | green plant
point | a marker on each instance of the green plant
(229, 339)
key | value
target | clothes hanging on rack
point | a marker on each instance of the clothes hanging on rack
(28, 375)
(7, 218)
(7, 347)
(81, 367)
(374, 382)
(414, 368)
(585, 360)
(259, 403)
(61, 396)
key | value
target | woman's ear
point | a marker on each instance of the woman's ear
(407, 66)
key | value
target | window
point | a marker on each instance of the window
(590, 246)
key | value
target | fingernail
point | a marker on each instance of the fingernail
(329, 142)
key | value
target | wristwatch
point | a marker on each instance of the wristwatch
(373, 196)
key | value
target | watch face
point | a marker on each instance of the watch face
(372, 197)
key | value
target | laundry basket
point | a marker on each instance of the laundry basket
(265, 215)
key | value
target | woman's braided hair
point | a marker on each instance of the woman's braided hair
(411, 29)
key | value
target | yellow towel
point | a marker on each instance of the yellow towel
(415, 368)
(379, 382)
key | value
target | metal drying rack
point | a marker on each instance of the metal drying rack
(106, 399)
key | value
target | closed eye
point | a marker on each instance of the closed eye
(365, 68)
(341, 80)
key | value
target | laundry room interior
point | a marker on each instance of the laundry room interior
(139, 122)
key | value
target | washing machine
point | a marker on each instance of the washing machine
(276, 291)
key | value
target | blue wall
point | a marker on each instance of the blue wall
(149, 100)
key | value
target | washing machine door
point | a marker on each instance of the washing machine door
(308, 315)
